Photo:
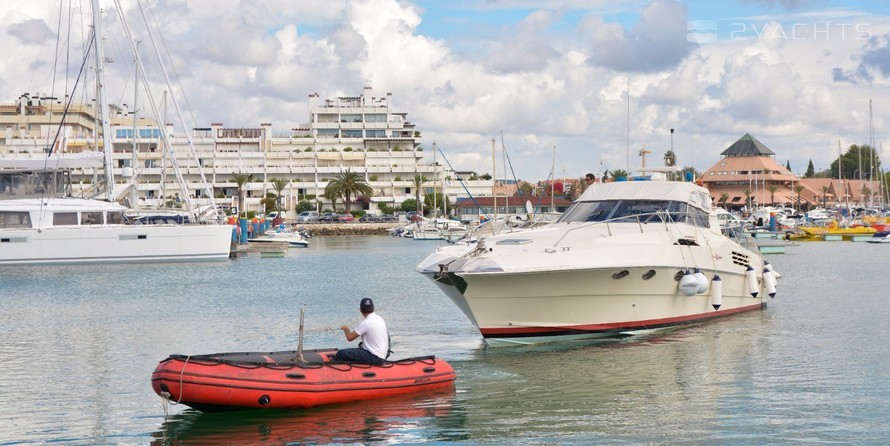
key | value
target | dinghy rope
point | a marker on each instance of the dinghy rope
(165, 396)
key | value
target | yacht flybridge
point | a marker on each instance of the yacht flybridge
(625, 257)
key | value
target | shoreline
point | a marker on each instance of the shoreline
(351, 228)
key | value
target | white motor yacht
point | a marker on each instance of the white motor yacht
(625, 257)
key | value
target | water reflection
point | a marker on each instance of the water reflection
(673, 385)
(401, 419)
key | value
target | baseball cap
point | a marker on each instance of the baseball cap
(367, 305)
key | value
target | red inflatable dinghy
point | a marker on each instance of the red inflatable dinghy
(229, 381)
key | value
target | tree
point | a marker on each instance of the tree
(747, 193)
(438, 198)
(347, 185)
(618, 173)
(810, 170)
(408, 205)
(788, 165)
(724, 197)
(857, 157)
(240, 180)
(798, 188)
(772, 188)
(825, 190)
(418, 182)
(278, 184)
(526, 188)
(670, 158)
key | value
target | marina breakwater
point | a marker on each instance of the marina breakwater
(352, 228)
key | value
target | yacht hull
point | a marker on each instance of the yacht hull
(530, 308)
(115, 244)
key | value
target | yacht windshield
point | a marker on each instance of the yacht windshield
(632, 211)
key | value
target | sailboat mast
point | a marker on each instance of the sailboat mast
(435, 184)
(494, 179)
(107, 147)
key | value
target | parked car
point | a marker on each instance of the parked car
(387, 218)
(307, 217)
(368, 218)
(345, 218)
(328, 217)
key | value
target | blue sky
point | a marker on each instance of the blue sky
(551, 76)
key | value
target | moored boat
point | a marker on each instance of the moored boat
(880, 237)
(625, 257)
(288, 379)
(293, 239)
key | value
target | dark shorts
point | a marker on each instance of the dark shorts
(357, 355)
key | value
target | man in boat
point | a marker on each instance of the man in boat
(374, 346)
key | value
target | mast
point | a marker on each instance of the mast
(435, 182)
(494, 180)
(107, 147)
(133, 159)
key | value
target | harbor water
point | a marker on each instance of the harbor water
(79, 344)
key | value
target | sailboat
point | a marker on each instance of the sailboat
(41, 223)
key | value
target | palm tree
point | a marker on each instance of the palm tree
(618, 173)
(417, 182)
(724, 197)
(670, 159)
(772, 188)
(241, 179)
(798, 188)
(347, 185)
(279, 184)
(825, 190)
(747, 193)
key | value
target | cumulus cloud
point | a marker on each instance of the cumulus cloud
(525, 47)
(32, 31)
(657, 42)
(874, 59)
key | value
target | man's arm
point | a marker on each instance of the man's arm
(350, 335)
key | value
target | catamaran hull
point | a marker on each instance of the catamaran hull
(526, 308)
(115, 244)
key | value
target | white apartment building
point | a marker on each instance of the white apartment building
(362, 133)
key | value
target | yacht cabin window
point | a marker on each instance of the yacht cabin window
(91, 218)
(632, 211)
(114, 218)
(10, 220)
(65, 219)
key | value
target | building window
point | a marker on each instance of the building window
(352, 133)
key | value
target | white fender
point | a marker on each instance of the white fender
(688, 284)
(769, 282)
(751, 279)
(702, 281)
(716, 292)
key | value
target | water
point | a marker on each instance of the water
(79, 344)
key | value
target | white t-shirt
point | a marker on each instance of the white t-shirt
(375, 338)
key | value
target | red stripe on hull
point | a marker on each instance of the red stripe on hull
(518, 332)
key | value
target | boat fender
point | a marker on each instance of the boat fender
(716, 292)
(688, 284)
(769, 282)
(751, 278)
(702, 281)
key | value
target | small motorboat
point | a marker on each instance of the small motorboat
(293, 239)
(880, 237)
(290, 379)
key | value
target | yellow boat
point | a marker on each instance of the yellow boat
(831, 231)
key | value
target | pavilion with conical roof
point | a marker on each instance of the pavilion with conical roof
(749, 176)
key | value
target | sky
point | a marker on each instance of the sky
(563, 88)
